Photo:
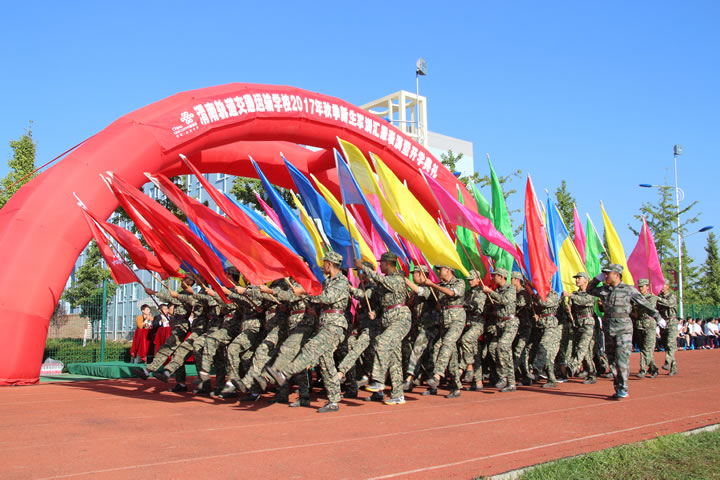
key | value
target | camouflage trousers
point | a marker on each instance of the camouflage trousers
(453, 372)
(177, 335)
(218, 359)
(646, 341)
(618, 346)
(289, 349)
(240, 350)
(422, 350)
(447, 346)
(584, 345)
(668, 336)
(263, 354)
(548, 349)
(182, 352)
(565, 348)
(388, 354)
(507, 330)
(216, 339)
(359, 345)
(470, 344)
(521, 352)
(320, 349)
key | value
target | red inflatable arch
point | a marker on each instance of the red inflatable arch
(42, 231)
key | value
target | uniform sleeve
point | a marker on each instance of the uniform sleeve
(642, 302)
(594, 290)
(551, 301)
(167, 298)
(578, 300)
(668, 301)
(383, 280)
(285, 295)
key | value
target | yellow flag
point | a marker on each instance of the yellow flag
(615, 248)
(311, 228)
(365, 252)
(419, 226)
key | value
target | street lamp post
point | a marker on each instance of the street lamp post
(420, 69)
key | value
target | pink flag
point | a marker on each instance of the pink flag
(644, 261)
(269, 212)
(579, 234)
(458, 214)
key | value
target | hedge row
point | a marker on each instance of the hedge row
(72, 351)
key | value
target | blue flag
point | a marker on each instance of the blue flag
(295, 231)
(202, 237)
(318, 208)
(554, 243)
(352, 194)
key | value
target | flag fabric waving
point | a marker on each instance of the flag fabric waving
(541, 267)
(579, 233)
(501, 220)
(615, 248)
(311, 228)
(644, 261)
(265, 226)
(568, 259)
(120, 272)
(593, 249)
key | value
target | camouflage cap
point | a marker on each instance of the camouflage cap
(388, 257)
(474, 274)
(613, 267)
(643, 282)
(333, 257)
(438, 267)
(517, 275)
(367, 265)
(501, 271)
(421, 268)
(231, 270)
(582, 275)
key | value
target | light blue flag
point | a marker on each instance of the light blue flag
(202, 237)
(352, 194)
(268, 228)
(295, 231)
(318, 208)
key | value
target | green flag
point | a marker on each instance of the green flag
(466, 238)
(501, 220)
(593, 249)
(485, 210)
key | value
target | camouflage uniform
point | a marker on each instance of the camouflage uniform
(428, 320)
(239, 350)
(507, 323)
(453, 311)
(583, 305)
(521, 353)
(219, 338)
(646, 327)
(618, 302)
(199, 326)
(332, 324)
(363, 335)
(180, 329)
(214, 313)
(565, 324)
(550, 341)
(667, 306)
(470, 341)
(396, 325)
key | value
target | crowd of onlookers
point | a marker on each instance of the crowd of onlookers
(151, 332)
(695, 334)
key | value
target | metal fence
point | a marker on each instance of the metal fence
(702, 311)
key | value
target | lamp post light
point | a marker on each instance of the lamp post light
(679, 195)
(420, 69)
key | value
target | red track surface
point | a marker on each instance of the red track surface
(134, 429)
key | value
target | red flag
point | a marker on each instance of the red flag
(119, 271)
(259, 257)
(179, 238)
(542, 267)
(140, 256)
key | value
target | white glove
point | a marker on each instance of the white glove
(662, 323)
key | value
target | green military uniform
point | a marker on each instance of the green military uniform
(618, 302)
(180, 328)
(550, 340)
(199, 325)
(396, 321)
(646, 328)
(583, 305)
(453, 318)
(523, 312)
(332, 324)
(667, 306)
(507, 323)
(428, 323)
(213, 308)
(240, 348)
(475, 300)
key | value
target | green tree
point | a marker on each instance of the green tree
(565, 203)
(710, 287)
(21, 165)
(244, 189)
(661, 219)
(87, 289)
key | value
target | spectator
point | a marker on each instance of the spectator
(156, 323)
(161, 324)
(143, 322)
(682, 341)
(711, 333)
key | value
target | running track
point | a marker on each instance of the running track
(133, 429)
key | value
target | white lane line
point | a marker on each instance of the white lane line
(537, 447)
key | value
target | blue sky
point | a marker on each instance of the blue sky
(595, 93)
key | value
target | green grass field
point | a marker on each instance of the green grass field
(670, 457)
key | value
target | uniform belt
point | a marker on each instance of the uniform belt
(271, 310)
(447, 307)
(547, 315)
(507, 318)
(393, 307)
(297, 312)
(332, 311)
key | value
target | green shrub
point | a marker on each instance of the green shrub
(70, 350)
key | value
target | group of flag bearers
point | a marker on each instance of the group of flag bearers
(504, 318)
(407, 331)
